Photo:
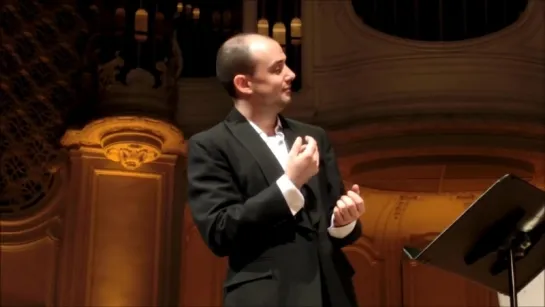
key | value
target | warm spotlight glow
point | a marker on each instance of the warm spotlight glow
(263, 27)
(279, 33)
(141, 25)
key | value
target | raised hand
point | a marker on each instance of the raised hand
(303, 161)
(349, 207)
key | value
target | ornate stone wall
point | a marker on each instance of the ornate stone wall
(40, 54)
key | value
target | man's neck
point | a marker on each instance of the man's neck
(266, 120)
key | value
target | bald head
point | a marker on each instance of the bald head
(235, 57)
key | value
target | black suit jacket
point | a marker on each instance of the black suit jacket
(274, 257)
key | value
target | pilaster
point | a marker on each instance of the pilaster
(121, 216)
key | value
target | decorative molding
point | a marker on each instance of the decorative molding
(349, 21)
(438, 123)
(21, 234)
(131, 141)
(43, 220)
(55, 229)
(402, 205)
(462, 143)
(364, 247)
(419, 63)
(396, 76)
(431, 86)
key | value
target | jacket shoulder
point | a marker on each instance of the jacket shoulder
(209, 135)
(312, 129)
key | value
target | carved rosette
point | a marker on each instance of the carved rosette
(131, 141)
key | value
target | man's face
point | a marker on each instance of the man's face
(270, 85)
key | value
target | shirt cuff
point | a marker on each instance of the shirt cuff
(340, 232)
(294, 198)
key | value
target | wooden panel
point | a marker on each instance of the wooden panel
(368, 280)
(424, 285)
(427, 286)
(28, 273)
(124, 251)
(202, 273)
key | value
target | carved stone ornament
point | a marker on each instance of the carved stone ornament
(131, 149)
(131, 141)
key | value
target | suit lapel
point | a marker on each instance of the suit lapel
(291, 133)
(268, 164)
(250, 139)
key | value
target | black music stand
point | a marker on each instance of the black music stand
(498, 242)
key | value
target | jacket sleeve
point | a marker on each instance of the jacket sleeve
(336, 189)
(224, 219)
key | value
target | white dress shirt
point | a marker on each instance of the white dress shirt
(294, 197)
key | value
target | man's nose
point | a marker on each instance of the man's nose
(291, 74)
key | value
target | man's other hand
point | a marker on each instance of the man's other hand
(349, 207)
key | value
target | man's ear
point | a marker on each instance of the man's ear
(242, 84)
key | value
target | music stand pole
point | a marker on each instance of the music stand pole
(512, 279)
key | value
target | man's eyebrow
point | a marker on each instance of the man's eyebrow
(278, 62)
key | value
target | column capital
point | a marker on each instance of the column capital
(129, 140)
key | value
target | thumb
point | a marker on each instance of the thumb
(356, 189)
(296, 147)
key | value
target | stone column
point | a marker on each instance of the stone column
(122, 219)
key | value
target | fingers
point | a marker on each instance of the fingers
(307, 150)
(311, 146)
(358, 201)
(316, 157)
(356, 189)
(296, 148)
(310, 140)
(349, 207)
(355, 194)
(338, 212)
(313, 150)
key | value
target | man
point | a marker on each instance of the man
(266, 191)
